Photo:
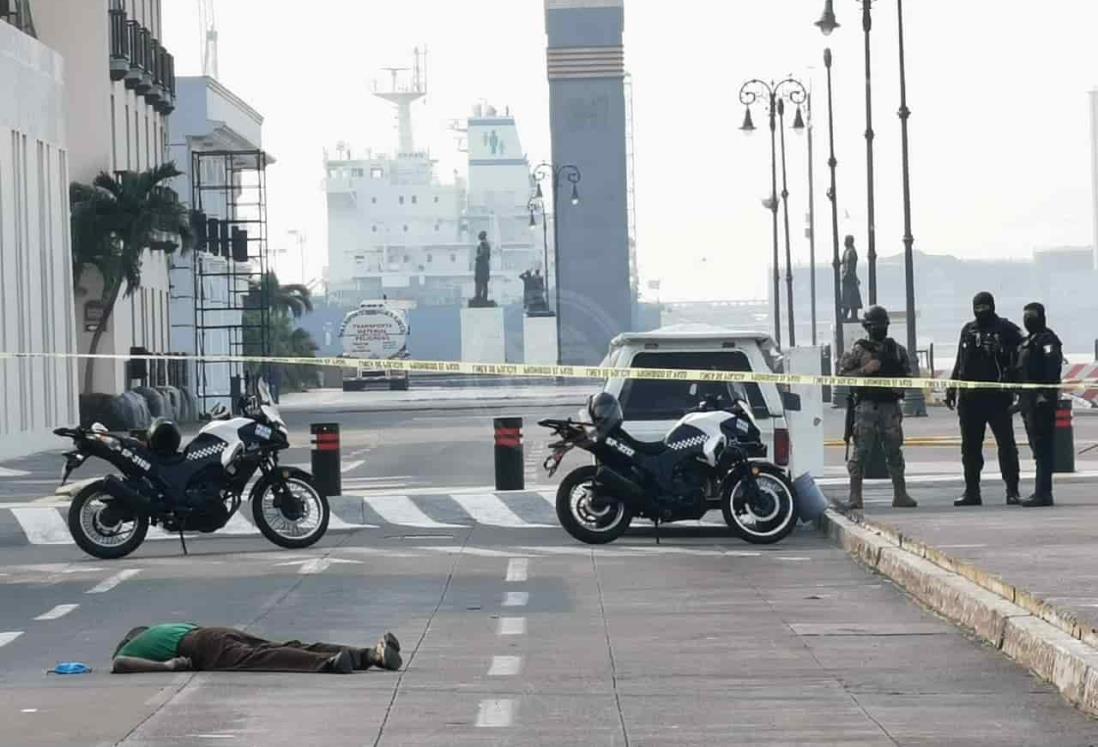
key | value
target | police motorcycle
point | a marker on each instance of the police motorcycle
(714, 454)
(198, 489)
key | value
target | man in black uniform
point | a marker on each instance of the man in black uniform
(1039, 362)
(986, 352)
(878, 417)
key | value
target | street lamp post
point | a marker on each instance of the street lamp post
(811, 217)
(915, 403)
(572, 174)
(534, 206)
(832, 195)
(775, 95)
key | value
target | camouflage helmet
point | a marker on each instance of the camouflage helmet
(875, 316)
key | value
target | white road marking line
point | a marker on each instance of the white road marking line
(109, 583)
(787, 557)
(550, 496)
(505, 666)
(488, 509)
(959, 547)
(496, 713)
(517, 568)
(51, 500)
(313, 566)
(59, 611)
(481, 552)
(6, 638)
(511, 626)
(516, 598)
(238, 525)
(43, 526)
(28, 710)
(742, 554)
(671, 550)
(351, 466)
(400, 509)
(9, 472)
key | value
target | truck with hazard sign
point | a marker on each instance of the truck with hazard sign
(376, 330)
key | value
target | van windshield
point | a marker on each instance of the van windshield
(643, 399)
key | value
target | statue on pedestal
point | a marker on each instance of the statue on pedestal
(482, 274)
(534, 294)
(851, 299)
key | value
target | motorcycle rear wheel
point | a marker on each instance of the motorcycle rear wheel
(771, 517)
(285, 530)
(593, 524)
(93, 535)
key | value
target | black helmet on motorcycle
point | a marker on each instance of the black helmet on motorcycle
(605, 413)
(163, 437)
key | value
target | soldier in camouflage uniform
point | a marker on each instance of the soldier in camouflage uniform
(878, 417)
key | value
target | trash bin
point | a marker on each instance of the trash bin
(1063, 440)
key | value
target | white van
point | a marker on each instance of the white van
(652, 407)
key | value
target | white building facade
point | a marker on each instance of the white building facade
(36, 303)
(119, 91)
(206, 297)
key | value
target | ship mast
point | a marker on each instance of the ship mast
(403, 91)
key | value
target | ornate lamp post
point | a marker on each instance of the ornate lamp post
(832, 195)
(535, 205)
(802, 123)
(572, 175)
(775, 96)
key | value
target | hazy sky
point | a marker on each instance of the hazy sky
(1000, 131)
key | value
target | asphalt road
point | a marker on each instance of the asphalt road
(513, 637)
(513, 633)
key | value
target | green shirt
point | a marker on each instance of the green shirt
(158, 643)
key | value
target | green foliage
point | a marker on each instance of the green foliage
(285, 304)
(114, 220)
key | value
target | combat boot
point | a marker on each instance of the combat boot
(900, 498)
(854, 503)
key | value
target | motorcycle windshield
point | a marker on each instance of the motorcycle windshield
(267, 405)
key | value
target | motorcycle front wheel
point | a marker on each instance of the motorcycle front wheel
(103, 529)
(295, 526)
(765, 516)
(592, 519)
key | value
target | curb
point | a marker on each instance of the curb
(1050, 642)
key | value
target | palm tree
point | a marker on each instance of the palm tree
(294, 299)
(114, 220)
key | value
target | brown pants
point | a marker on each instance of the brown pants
(230, 650)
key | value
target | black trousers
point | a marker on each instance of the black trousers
(977, 411)
(1041, 429)
(231, 650)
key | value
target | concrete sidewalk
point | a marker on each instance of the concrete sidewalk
(1023, 579)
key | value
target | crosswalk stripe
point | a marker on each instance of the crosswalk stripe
(43, 526)
(59, 611)
(400, 509)
(488, 509)
(109, 583)
(6, 638)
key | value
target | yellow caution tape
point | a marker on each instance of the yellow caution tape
(532, 370)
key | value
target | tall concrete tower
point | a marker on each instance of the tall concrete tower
(587, 122)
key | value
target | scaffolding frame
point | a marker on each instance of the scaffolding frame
(229, 195)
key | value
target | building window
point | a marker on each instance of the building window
(376, 173)
(430, 258)
(453, 257)
(437, 226)
(373, 200)
(374, 229)
(114, 136)
(405, 228)
(436, 199)
(128, 156)
(413, 199)
(401, 199)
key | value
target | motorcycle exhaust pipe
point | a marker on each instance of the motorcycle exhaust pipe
(630, 493)
(126, 495)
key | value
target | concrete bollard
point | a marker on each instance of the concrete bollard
(324, 438)
(1063, 440)
(510, 465)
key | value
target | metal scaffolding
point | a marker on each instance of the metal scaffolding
(232, 312)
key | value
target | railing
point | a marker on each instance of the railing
(120, 38)
(137, 47)
(138, 56)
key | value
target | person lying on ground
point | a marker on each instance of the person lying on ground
(180, 647)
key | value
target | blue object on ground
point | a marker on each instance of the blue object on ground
(70, 667)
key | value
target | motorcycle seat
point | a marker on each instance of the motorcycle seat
(649, 448)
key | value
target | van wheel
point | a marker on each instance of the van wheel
(593, 519)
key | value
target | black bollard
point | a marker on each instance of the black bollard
(510, 466)
(325, 456)
(1063, 439)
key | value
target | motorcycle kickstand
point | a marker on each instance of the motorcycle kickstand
(657, 522)
(182, 541)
